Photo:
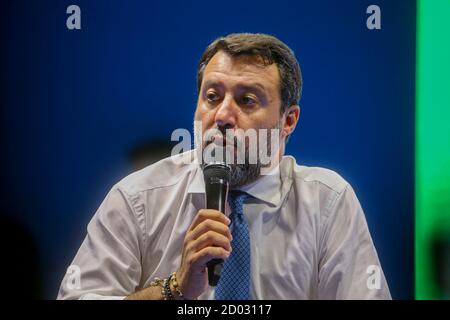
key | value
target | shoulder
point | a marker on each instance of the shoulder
(162, 174)
(324, 189)
(326, 179)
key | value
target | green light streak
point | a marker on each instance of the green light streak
(432, 138)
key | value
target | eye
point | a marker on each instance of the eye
(248, 101)
(212, 96)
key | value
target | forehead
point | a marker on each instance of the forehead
(241, 70)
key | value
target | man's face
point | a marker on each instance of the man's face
(239, 93)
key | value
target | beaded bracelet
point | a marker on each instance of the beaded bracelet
(167, 293)
(173, 279)
(157, 282)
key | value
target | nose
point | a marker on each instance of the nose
(226, 113)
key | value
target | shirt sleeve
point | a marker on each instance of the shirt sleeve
(107, 265)
(349, 267)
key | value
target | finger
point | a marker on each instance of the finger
(211, 239)
(211, 214)
(208, 253)
(209, 225)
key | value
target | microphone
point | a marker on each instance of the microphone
(217, 178)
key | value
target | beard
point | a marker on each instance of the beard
(243, 174)
(250, 170)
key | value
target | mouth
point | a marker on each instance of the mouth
(220, 141)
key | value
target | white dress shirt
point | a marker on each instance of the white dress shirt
(309, 237)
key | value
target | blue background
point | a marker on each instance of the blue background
(74, 103)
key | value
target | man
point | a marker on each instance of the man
(296, 233)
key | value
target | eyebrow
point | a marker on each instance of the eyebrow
(253, 86)
(249, 86)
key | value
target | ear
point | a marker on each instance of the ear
(291, 116)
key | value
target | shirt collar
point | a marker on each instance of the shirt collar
(197, 184)
(267, 188)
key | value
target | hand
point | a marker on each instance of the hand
(208, 238)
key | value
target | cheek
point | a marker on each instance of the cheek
(206, 117)
(262, 120)
(199, 112)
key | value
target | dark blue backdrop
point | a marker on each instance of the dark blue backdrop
(74, 103)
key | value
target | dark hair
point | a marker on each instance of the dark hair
(271, 50)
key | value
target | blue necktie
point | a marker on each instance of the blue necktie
(234, 283)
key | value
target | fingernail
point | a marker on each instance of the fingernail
(228, 220)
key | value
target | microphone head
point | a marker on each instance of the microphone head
(215, 168)
(216, 172)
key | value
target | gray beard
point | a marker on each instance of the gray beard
(246, 173)
(243, 174)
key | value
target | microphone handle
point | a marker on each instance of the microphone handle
(216, 202)
(215, 267)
